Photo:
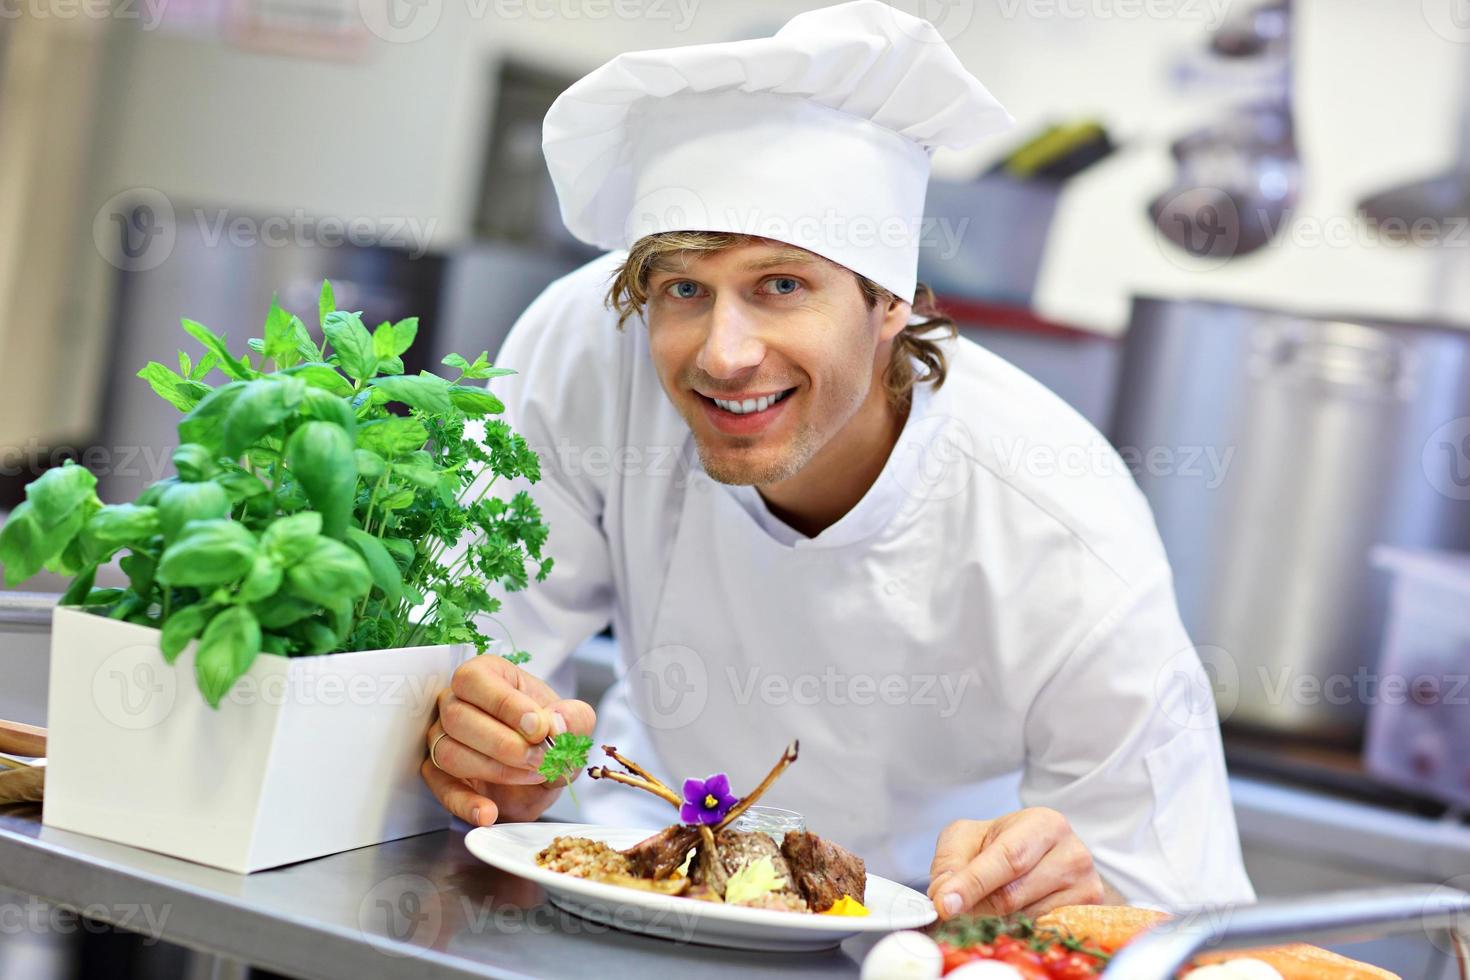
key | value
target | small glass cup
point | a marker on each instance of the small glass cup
(771, 820)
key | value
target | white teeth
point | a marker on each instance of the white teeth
(750, 404)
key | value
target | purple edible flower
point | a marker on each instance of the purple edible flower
(706, 801)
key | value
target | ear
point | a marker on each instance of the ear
(896, 316)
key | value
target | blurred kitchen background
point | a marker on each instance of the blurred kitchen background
(1235, 235)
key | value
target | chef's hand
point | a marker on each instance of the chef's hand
(495, 718)
(1029, 862)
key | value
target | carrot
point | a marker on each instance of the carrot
(1109, 927)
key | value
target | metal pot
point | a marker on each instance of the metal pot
(1277, 450)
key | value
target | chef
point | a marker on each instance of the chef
(810, 512)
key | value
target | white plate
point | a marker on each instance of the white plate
(513, 848)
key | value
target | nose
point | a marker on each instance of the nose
(733, 344)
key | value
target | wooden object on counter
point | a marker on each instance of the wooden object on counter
(19, 782)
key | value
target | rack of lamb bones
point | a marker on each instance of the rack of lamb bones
(703, 857)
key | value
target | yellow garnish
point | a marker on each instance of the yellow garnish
(752, 881)
(847, 905)
(688, 860)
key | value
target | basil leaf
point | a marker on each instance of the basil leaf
(392, 437)
(369, 464)
(401, 549)
(168, 385)
(185, 502)
(209, 552)
(379, 562)
(425, 392)
(320, 457)
(280, 338)
(290, 539)
(323, 376)
(26, 547)
(325, 303)
(475, 402)
(205, 422)
(238, 369)
(260, 407)
(117, 525)
(329, 572)
(140, 569)
(326, 407)
(282, 611)
(352, 343)
(182, 626)
(262, 581)
(57, 494)
(228, 647)
(194, 462)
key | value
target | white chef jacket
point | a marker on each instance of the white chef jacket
(992, 625)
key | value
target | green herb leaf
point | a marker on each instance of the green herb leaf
(185, 502)
(393, 436)
(330, 571)
(567, 755)
(352, 343)
(320, 457)
(208, 552)
(379, 562)
(58, 493)
(325, 303)
(182, 626)
(226, 651)
(425, 392)
(238, 369)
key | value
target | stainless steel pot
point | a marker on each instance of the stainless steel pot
(1276, 450)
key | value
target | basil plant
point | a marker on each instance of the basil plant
(315, 506)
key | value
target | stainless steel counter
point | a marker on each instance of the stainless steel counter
(421, 907)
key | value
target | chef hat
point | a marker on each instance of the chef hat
(819, 136)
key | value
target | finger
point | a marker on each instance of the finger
(1045, 879)
(490, 737)
(577, 717)
(460, 760)
(1057, 899)
(502, 689)
(958, 843)
(1004, 857)
(458, 798)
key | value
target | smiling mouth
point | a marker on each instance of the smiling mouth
(749, 406)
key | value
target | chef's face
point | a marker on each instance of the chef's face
(769, 352)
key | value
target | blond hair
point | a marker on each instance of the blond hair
(918, 341)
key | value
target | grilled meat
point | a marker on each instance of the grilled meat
(662, 854)
(823, 871)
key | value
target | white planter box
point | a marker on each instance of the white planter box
(305, 756)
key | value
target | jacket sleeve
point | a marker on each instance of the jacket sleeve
(562, 399)
(1124, 740)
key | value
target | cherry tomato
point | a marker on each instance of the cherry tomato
(957, 956)
(1027, 963)
(1074, 966)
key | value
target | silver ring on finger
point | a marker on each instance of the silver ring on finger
(434, 745)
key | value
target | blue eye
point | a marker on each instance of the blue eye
(683, 289)
(783, 285)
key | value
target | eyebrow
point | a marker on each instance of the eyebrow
(678, 263)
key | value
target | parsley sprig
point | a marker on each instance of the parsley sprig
(565, 758)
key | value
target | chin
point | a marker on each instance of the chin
(752, 467)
